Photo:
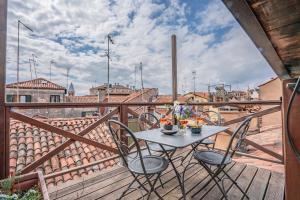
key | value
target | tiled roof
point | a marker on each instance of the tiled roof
(39, 83)
(200, 94)
(116, 98)
(82, 99)
(135, 95)
(29, 143)
(168, 98)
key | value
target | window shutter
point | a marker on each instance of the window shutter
(9, 98)
(28, 98)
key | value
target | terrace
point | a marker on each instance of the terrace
(266, 27)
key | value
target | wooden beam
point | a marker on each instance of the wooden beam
(248, 20)
(257, 114)
(86, 105)
(124, 119)
(292, 166)
(174, 68)
(4, 136)
(61, 147)
(59, 131)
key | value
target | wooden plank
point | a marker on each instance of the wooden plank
(198, 184)
(106, 187)
(259, 184)
(247, 19)
(214, 192)
(59, 131)
(243, 181)
(292, 166)
(275, 189)
(61, 147)
(166, 177)
(4, 139)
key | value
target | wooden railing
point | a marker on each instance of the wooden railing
(122, 110)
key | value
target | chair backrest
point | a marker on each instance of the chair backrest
(147, 120)
(239, 134)
(116, 129)
(217, 115)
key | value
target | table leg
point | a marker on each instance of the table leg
(178, 176)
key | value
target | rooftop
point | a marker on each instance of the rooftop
(39, 83)
(29, 143)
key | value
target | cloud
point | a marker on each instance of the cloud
(73, 34)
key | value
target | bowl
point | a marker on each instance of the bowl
(168, 127)
(196, 130)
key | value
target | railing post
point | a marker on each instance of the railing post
(4, 160)
(292, 166)
(124, 119)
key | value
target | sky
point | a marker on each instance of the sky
(73, 35)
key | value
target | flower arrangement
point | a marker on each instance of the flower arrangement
(182, 112)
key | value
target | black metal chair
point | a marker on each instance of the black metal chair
(148, 121)
(209, 114)
(208, 158)
(208, 141)
(139, 165)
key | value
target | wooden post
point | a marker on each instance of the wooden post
(174, 73)
(4, 159)
(124, 120)
(174, 68)
(292, 167)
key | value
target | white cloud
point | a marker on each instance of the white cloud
(72, 33)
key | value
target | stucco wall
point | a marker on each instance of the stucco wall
(271, 91)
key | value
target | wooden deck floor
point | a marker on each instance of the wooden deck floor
(258, 183)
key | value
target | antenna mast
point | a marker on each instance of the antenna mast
(194, 79)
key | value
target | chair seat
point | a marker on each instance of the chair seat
(211, 157)
(156, 147)
(207, 141)
(153, 165)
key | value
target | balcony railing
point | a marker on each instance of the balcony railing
(122, 111)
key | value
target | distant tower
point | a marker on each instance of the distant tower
(71, 90)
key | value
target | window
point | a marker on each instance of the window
(10, 98)
(25, 98)
(54, 98)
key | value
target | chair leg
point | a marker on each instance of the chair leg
(152, 187)
(237, 185)
(213, 176)
(125, 191)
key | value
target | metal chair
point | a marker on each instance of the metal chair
(148, 121)
(147, 166)
(208, 158)
(206, 141)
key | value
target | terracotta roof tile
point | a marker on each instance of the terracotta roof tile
(39, 83)
(29, 143)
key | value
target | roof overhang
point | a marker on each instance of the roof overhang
(274, 27)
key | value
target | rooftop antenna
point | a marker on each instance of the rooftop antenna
(109, 41)
(34, 64)
(136, 68)
(194, 79)
(30, 68)
(50, 74)
(18, 55)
